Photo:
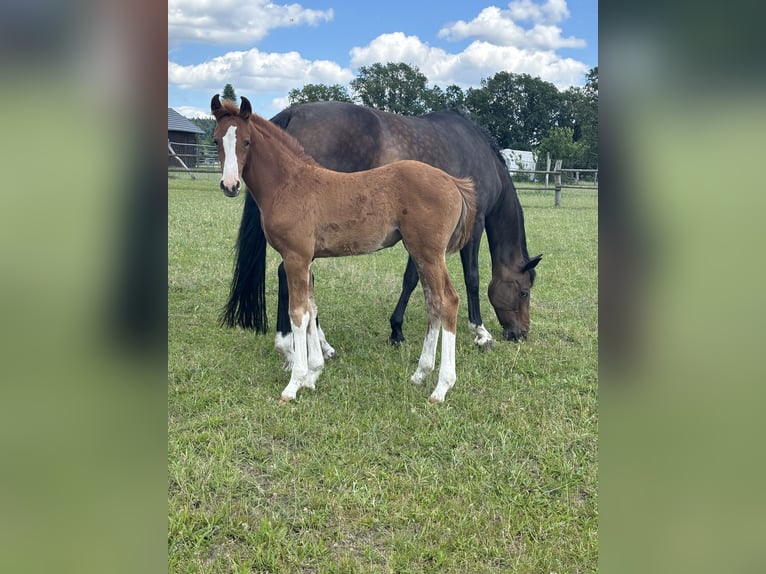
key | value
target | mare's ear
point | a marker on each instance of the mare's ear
(215, 104)
(532, 263)
(245, 110)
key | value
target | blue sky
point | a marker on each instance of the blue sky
(264, 50)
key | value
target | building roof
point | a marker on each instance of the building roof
(178, 123)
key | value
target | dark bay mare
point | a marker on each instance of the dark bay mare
(308, 211)
(346, 137)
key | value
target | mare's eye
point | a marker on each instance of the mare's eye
(523, 294)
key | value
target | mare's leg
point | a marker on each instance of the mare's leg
(409, 282)
(297, 271)
(469, 256)
(283, 342)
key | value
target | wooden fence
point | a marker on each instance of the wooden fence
(203, 158)
(558, 183)
(193, 158)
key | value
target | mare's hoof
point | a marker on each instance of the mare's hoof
(485, 344)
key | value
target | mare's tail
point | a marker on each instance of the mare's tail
(246, 306)
(462, 232)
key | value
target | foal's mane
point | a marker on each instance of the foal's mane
(267, 130)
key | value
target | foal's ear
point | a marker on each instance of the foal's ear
(215, 104)
(245, 110)
(532, 263)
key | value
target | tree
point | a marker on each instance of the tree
(319, 93)
(560, 144)
(399, 88)
(579, 110)
(228, 93)
(208, 126)
(451, 97)
(517, 109)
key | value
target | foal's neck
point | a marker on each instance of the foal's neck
(275, 159)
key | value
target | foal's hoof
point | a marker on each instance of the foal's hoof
(433, 399)
(329, 353)
(283, 400)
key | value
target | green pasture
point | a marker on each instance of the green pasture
(364, 474)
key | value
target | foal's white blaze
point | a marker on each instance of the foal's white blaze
(230, 177)
(447, 373)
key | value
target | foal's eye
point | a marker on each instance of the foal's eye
(215, 142)
(247, 143)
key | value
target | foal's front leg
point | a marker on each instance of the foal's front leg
(307, 352)
(283, 341)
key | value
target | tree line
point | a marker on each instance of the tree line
(518, 111)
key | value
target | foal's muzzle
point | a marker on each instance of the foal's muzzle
(231, 190)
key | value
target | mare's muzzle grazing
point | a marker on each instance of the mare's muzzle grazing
(512, 334)
(231, 189)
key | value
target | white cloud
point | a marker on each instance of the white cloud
(256, 71)
(552, 11)
(500, 27)
(479, 60)
(235, 22)
(193, 112)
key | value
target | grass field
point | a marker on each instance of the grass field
(363, 474)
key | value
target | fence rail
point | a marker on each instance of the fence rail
(203, 158)
(192, 158)
(559, 184)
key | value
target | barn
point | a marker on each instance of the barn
(517, 159)
(182, 135)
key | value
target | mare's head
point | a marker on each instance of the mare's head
(232, 138)
(509, 296)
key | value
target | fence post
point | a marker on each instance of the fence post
(547, 167)
(557, 170)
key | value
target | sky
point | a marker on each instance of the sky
(265, 49)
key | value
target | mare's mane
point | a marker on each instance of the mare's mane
(267, 130)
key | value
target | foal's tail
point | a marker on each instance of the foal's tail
(462, 232)
(246, 306)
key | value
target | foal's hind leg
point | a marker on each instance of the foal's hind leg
(433, 307)
(447, 374)
(442, 303)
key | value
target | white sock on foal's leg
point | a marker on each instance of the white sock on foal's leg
(428, 356)
(447, 374)
(315, 357)
(300, 369)
(284, 346)
(327, 351)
